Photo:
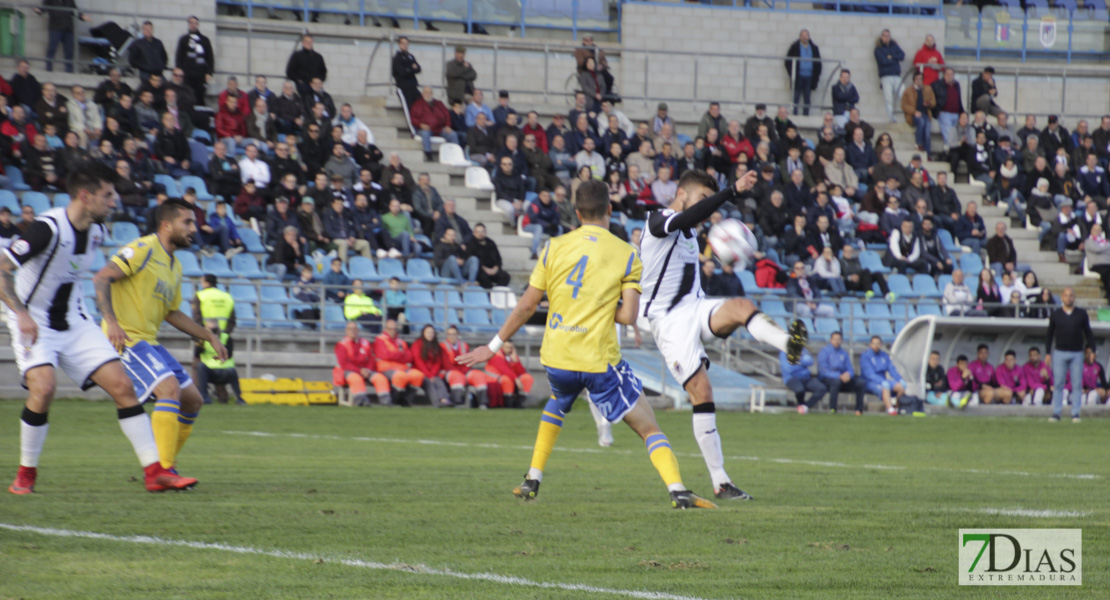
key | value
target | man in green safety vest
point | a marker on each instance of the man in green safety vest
(357, 306)
(215, 305)
(213, 370)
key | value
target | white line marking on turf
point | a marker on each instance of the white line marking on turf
(786, 461)
(350, 562)
(1026, 512)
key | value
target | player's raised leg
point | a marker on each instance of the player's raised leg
(136, 425)
(33, 426)
(642, 420)
(736, 312)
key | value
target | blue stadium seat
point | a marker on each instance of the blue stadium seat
(242, 293)
(869, 259)
(925, 286)
(903, 311)
(476, 317)
(88, 290)
(883, 329)
(632, 224)
(188, 290)
(900, 284)
(476, 299)
(929, 308)
(16, 178)
(450, 297)
(826, 326)
(878, 309)
(98, 262)
(172, 189)
(124, 232)
(8, 199)
(246, 266)
(774, 308)
(362, 268)
(201, 135)
(854, 309)
(421, 297)
(333, 317)
(450, 316)
(251, 241)
(217, 265)
(944, 280)
(189, 265)
(946, 240)
(424, 250)
(273, 317)
(392, 267)
(418, 315)
(275, 294)
(244, 315)
(971, 264)
(61, 200)
(36, 200)
(198, 184)
(859, 331)
(421, 270)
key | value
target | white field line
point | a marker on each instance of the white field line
(787, 461)
(1026, 512)
(350, 562)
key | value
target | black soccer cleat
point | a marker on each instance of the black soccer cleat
(527, 490)
(798, 339)
(687, 499)
(728, 491)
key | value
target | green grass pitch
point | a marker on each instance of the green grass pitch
(395, 503)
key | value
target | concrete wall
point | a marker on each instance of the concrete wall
(757, 32)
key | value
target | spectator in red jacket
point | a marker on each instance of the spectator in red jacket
(431, 117)
(231, 125)
(927, 58)
(514, 378)
(233, 91)
(430, 359)
(355, 358)
(19, 130)
(394, 360)
(734, 142)
(458, 376)
(534, 127)
(249, 204)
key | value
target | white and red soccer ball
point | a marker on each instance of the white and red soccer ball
(733, 243)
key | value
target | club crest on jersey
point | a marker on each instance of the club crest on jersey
(21, 247)
(127, 253)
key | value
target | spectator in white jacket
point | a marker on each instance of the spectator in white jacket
(827, 270)
(84, 116)
(351, 126)
(959, 301)
(905, 251)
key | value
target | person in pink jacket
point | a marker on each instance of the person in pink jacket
(1094, 379)
(1011, 378)
(961, 381)
(1038, 379)
(983, 371)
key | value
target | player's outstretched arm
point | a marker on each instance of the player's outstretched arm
(629, 308)
(102, 283)
(525, 308)
(186, 325)
(689, 218)
(27, 325)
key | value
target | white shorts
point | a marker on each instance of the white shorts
(79, 351)
(680, 335)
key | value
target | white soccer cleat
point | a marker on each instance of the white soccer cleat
(605, 435)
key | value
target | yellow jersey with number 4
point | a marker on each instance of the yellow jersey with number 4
(584, 273)
(151, 290)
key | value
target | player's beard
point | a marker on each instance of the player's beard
(184, 240)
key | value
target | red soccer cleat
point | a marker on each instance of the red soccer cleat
(24, 481)
(160, 479)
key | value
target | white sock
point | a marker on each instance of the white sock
(599, 419)
(767, 331)
(31, 440)
(974, 399)
(709, 440)
(1038, 396)
(676, 487)
(138, 432)
(534, 474)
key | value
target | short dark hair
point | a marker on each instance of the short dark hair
(169, 209)
(210, 279)
(1035, 349)
(837, 332)
(698, 177)
(1011, 353)
(875, 337)
(934, 352)
(89, 176)
(982, 347)
(846, 71)
(961, 358)
(592, 201)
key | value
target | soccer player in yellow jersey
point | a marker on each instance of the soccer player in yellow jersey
(143, 280)
(592, 279)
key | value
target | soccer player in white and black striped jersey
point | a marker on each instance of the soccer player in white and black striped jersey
(51, 328)
(682, 318)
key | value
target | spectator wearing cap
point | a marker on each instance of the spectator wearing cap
(888, 57)
(984, 91)
(845, 96)
(460, 76)
(803, 67)
(918, 102)
(503, 110)
(661, 118)
(431, 117)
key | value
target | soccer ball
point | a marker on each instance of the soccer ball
(733, 242)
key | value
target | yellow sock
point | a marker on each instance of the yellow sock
(184, 428)
(164, 423)
(661, 455)
(551, 423)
